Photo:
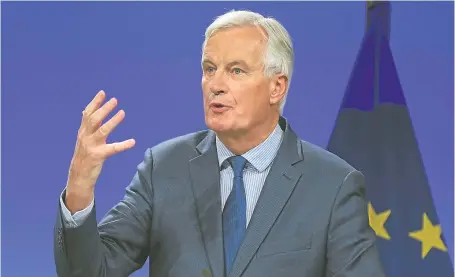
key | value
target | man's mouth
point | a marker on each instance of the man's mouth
(218, 107)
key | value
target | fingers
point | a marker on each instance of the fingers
(117, 147)
(110, 125)
(97, 117)
(94, 104)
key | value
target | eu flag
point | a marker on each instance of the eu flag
(374, 133)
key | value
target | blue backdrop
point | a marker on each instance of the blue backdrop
(56, 56)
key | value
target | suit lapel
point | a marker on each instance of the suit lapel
(205, 176)
(278, 187)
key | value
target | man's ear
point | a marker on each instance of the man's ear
(278, 86)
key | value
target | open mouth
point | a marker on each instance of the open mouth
(218, 107)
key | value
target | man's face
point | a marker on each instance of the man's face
(237, 95)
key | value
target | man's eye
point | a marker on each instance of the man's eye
(210, 69)
(237, 71)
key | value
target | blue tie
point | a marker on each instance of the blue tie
(234, 214)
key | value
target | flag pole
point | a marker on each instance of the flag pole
(379, 9)
(378, 13)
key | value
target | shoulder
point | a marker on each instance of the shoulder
(181, 145)
(178, 147)
(329, 176)
(324, 157)
(327, 165)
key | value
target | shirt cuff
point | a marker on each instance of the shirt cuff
(78, 218)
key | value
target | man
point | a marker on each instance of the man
(245, 198)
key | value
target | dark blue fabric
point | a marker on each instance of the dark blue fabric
(234, 213)
(375, 134)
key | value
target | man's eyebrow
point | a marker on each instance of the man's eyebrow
(230, 64)
(207, 60)
(237, 62)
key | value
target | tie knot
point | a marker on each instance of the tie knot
(238, 164)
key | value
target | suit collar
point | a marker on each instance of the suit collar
(289, 138)
(278, 187)
(205, 181)
(260, 157)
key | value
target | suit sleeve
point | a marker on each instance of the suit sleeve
(69, 220)
(118, 245)
(351, 246)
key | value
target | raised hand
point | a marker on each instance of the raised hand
(92, 150)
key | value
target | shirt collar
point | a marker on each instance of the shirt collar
(261, 156)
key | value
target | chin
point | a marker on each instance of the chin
(218, 124)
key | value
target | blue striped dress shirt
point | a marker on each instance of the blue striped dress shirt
(259, 159)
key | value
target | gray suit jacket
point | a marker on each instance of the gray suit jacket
(311, 219)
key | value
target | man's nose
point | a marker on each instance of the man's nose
(218, 84)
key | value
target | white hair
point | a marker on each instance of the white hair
(279, 54)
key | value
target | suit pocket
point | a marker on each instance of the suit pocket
(282, 246)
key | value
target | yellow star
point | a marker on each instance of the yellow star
(377, 222)
(429, 236)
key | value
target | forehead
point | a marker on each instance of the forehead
(237, 43)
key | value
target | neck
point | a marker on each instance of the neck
(242, 142)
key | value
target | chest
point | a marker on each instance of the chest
(253, 182)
